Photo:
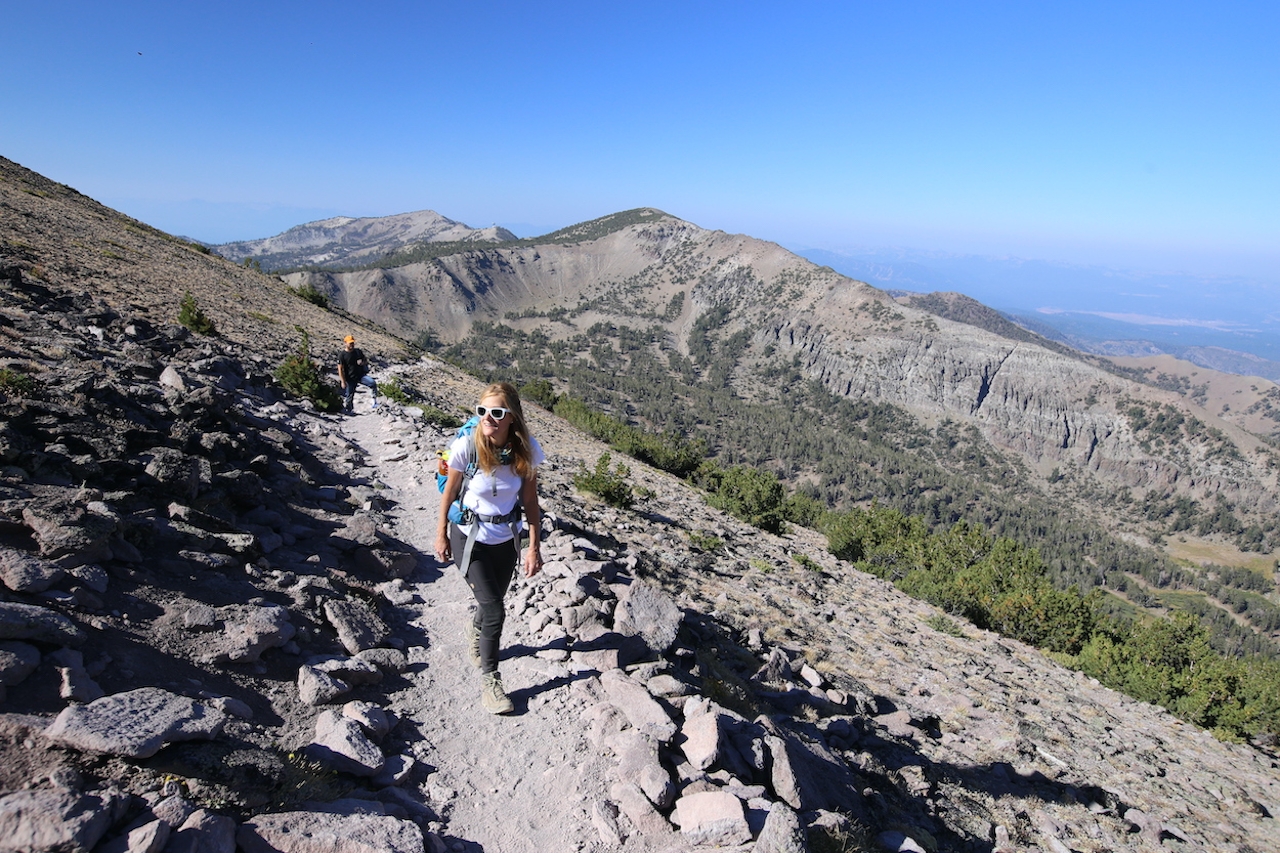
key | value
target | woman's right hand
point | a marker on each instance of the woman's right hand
(444, 553)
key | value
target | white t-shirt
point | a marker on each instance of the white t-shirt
(490, 494)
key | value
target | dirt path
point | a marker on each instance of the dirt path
(524, 782)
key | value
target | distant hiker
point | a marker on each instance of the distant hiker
(493, 474)
(353, 370)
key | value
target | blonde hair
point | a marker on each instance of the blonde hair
(517, 435)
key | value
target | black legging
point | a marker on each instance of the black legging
(489, 575)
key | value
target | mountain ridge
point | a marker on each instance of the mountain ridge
(1051, 406)
(351, 241)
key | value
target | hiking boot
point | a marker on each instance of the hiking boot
(473, 644)
(493, 697)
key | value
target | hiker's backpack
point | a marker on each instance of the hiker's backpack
(442, 469)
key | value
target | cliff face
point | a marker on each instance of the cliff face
(1047, 405)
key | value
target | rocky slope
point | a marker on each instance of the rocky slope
(352, 241)
(1042, 403)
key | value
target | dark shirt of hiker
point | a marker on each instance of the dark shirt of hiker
(352, 364)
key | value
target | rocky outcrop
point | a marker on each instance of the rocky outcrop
(1046, 408)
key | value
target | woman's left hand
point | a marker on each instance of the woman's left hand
(532, 561)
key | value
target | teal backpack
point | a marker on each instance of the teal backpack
(442, 471)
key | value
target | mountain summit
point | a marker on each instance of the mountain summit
(351, 241)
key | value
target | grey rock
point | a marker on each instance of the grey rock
(173, 810)
(638, 706)
(699, 739)
(250, 630)
(341, 744)
(361, 529)
(371, 718)
(396, 771)
(782, 832)
(172, 379)
(358, 669)
(386, 563)
(37, 624)
(648, 612)
(53, 820)
(807, 776)
(17, 661)
(77, 686)
(319, 832)
(316, 687)
(135, 724)
(68, 534)
(636, 806)
(712, 818)
(386, 660)
(200, 617)
(23, 572)
(92, 575)
(150, 837)
(358, 627)
(604, 817)
(176, 470)
(668, 686)
(204, 832)
(638, 762)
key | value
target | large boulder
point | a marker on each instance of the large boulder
(135, 724)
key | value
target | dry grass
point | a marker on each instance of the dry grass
(1200, 552)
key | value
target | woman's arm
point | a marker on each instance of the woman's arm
(452, 488)
(533, 520)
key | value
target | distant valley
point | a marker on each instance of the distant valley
(1213, 322)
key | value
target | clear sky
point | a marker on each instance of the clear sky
(1136, 134)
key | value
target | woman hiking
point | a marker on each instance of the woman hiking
(492, 475)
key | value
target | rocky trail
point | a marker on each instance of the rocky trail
(524, 782)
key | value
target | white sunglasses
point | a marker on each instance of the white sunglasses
(496, 412)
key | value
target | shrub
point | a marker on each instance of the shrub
(393, 390)
(705, 541)
(439, 418)
(944, 625)
(299, 375)
(757, 497)
(804, 561)
(310, 294)
(669, 452)
(191, 315)
(16, 384)
(610, 486)
(541, 392)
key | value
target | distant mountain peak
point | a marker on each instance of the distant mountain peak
(346, 241)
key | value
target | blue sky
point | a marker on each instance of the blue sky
(1142, 135)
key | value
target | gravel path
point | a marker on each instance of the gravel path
(523, 782)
